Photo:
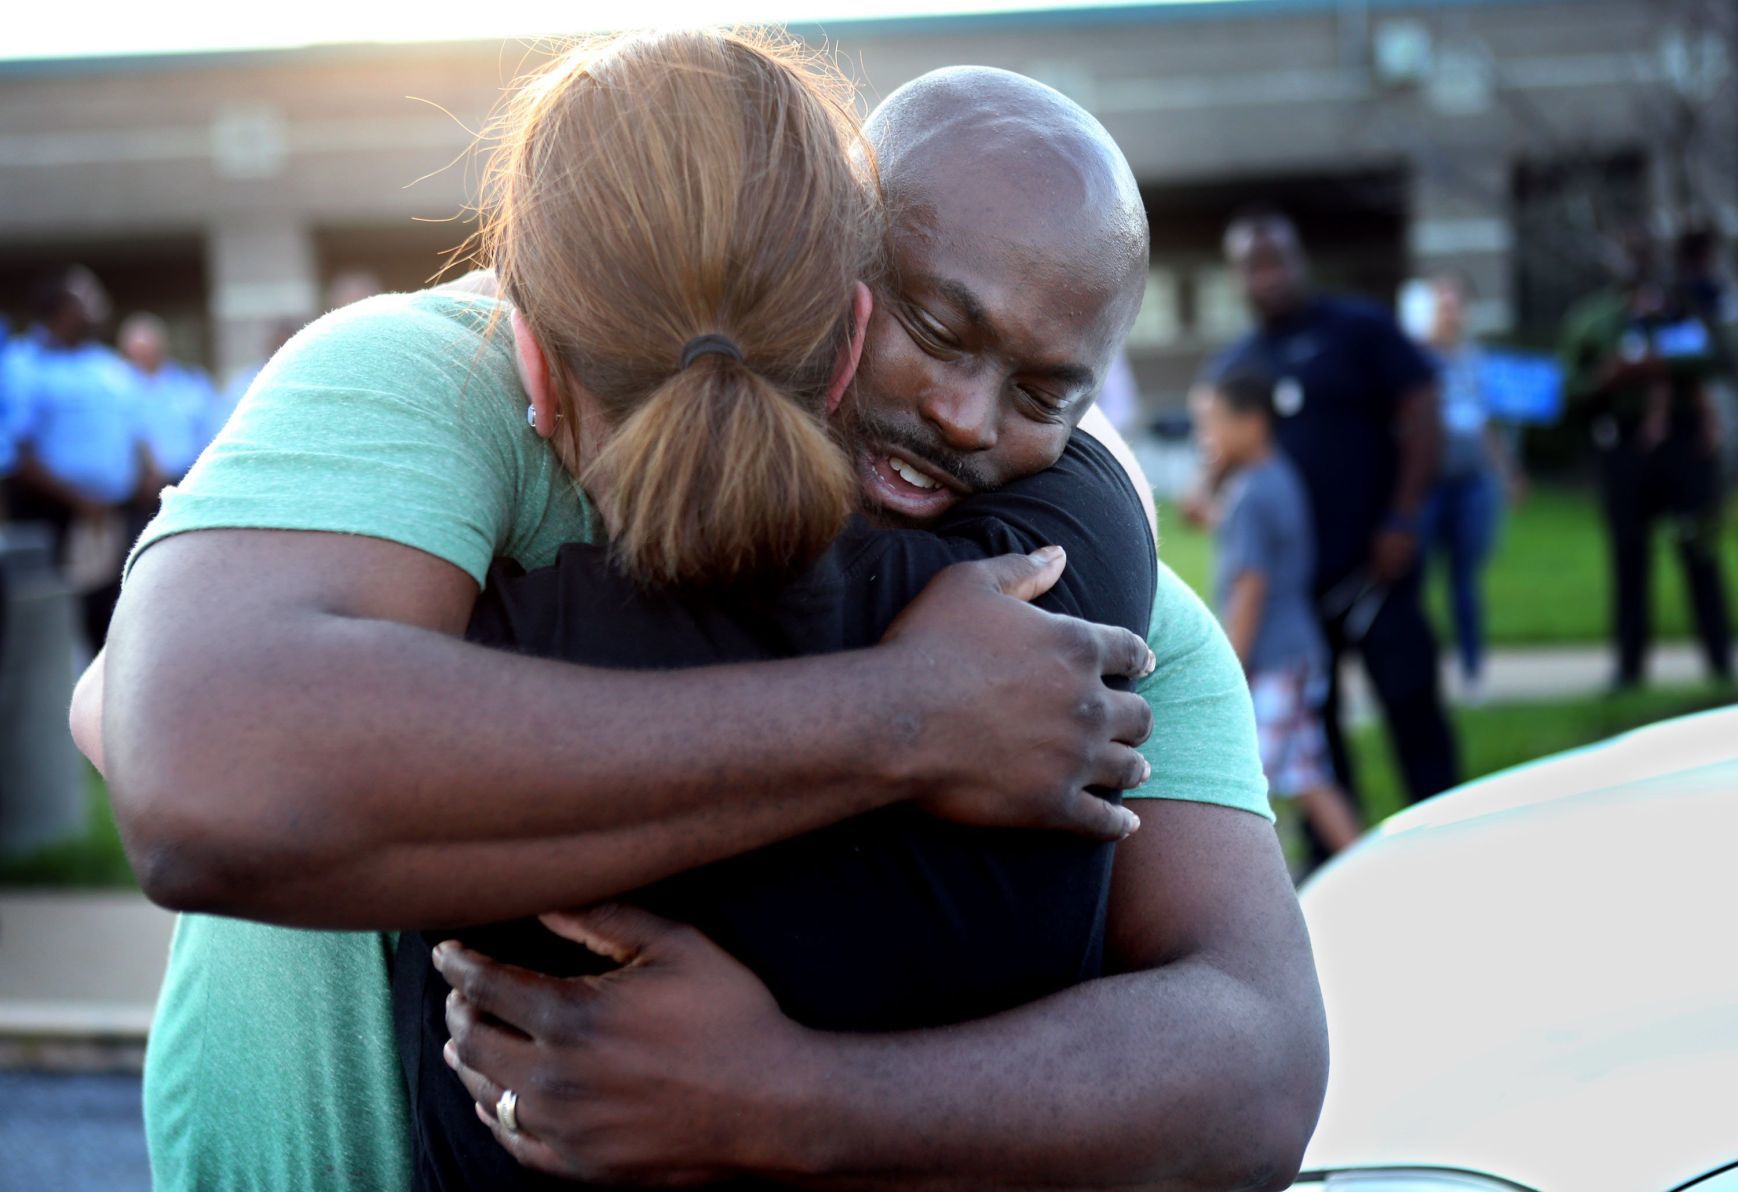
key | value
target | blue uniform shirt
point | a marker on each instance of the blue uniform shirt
(80, 416)
(1339, 369)
(12, 412)
(177, 407)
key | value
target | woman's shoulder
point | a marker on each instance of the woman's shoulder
(449, 356)
(400, 324)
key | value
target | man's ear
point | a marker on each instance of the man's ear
(862, 304)
(534, 375)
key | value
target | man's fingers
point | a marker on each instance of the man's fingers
(1024, 577)
(1122, 653)
(1119, 768)
(1098, 819)
(529, 1150)
(615, 930)
(477, 1044)
(1130, 718)
(518, 997)
(483, 1089)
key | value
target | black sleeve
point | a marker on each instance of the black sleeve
(1084, 504)
(1398, 362)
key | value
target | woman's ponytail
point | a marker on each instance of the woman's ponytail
(718, 475)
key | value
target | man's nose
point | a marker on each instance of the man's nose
(966, 415)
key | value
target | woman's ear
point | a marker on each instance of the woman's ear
(534, 375)
(862, 304)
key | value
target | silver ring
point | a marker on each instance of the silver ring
(507, 1111)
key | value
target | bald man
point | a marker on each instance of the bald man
(1199, 1062)
(1018, 261)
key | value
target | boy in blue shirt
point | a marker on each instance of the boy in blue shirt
(1264, 563)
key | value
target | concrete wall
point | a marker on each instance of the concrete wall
(267, 159)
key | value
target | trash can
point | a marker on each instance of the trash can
(42, 777)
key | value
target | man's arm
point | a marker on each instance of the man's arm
(1200, 1064)
(33, 474)
(1418, 435)
(291, 734)
(1418, 428)
(1243, 612)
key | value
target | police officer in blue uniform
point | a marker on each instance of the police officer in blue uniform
(1357, 406)
(81, 450)
(178, 405)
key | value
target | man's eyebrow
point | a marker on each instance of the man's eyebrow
(962, 296)
(1075, 376)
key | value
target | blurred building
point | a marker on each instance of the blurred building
(226, 192)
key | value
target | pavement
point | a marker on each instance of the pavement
(1538, 673)
(72, 1132)
(80, 964)
(79, 973)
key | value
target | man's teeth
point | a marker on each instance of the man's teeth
(910, 474)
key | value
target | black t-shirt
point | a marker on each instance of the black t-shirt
(893, 920)
(1339, 370)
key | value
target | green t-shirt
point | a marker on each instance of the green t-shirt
(272, 1062)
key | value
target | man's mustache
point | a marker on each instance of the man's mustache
(868, 428)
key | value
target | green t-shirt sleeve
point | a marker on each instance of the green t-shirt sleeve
(393, 418)
(1203, 747)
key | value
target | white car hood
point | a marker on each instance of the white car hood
(1536, 976)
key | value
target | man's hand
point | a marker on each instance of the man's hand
(1057, 729)
(1392, 554)
(650, 1074)
(1197, 508)
(1198, 1063)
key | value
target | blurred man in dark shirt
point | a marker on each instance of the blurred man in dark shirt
(1356, 408)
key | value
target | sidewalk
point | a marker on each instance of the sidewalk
(78, 966)
(1539, 672)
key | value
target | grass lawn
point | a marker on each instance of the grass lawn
(92, 860)
(1546, 583)
(1502, 735)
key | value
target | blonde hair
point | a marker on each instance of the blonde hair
(653, 188)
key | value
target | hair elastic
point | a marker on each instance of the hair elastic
(709, 344)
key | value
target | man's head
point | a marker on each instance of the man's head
(70, 305)
(1631, 259)
(1234, 419)
(1017, 261)
(1449, 293)
(1263, 246)
(1697, 252)
(144, 341)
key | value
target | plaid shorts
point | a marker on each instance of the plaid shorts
(1288, 722)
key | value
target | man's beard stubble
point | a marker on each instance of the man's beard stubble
(860, 428)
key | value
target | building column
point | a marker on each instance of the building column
(1461, 223)
(264, 274)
